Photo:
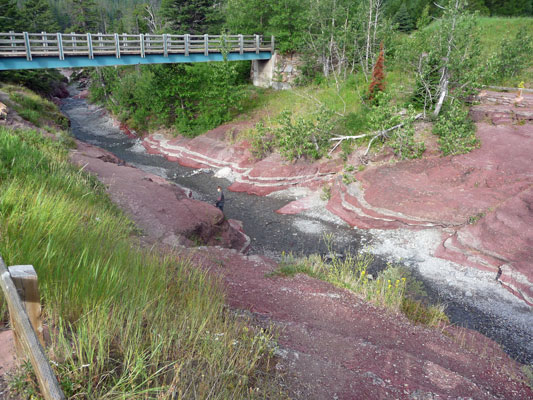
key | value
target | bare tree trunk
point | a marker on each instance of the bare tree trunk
(369, 27)
(443, 94)
(445, 78)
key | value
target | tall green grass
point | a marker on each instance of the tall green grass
(35, 109)
(125, 323)
(394, 288)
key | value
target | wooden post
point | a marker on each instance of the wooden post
(241, 44)
(45, 41)
(25, 279)
(206, 44)
(27, 46)
(186, 42)
(60, 46)
(257, 44)
(165, 45)
(117, 46)
(90, 46)
(141, 41)
(28, 339)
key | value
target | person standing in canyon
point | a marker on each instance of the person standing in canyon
(220, 200)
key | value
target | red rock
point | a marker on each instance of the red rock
(298, 206)
(501, 239)
(335, 345)
(162, 209)
(254, 177)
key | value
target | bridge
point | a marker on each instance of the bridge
(57, 50)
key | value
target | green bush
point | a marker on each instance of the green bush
(192, 98)
(295, 137)
(456, 131)
(385, 115)
(513, 56)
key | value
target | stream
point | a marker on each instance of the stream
(272, 233)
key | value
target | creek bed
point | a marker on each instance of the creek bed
(272, 233)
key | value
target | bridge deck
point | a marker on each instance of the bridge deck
(55, 50)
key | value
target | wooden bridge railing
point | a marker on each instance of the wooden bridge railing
(25, 316)
(97, 44)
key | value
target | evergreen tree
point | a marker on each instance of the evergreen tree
(510, 7)
(9, 16)
(38, 17)
(84, 16)
(404, 20)
(187, 16)
(479, 6)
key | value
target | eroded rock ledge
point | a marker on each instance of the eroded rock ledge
(163, 210)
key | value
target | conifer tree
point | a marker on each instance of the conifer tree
(404, 19)
(84, 16)
(9, 16)
(38, 17)
(378, 75)
(186, 16)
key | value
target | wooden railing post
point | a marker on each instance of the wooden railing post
(117, 46)
(27, 46)
(257, 44)
(90, 46)
(60, 46)
(206, 44)
(45, 41)
(25, 279)
(186, 43)
(26, 335)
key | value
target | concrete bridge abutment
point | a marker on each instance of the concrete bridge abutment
(280, 72)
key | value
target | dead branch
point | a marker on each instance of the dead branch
(380, 134)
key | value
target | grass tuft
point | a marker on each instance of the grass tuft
(394, 288)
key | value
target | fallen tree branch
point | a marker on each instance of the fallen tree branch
(349, 137)
(383, 133)
(375, 135)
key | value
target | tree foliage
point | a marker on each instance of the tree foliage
(191, 97)
(38, 17)
(187, 16)
(10, 19)
(446, 58)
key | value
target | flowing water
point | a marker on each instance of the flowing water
(272, 233)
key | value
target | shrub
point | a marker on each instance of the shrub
(295, 137)
(385, 115)
(513, 56)
(456, 131)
